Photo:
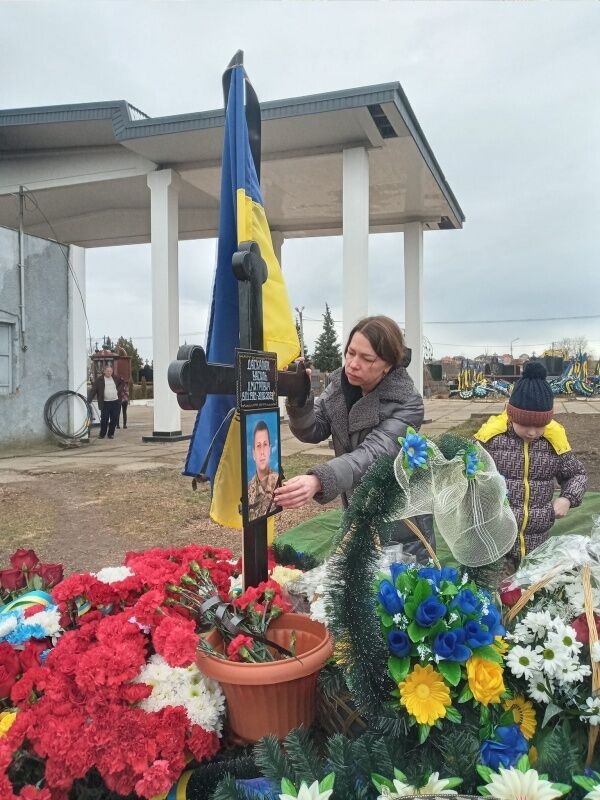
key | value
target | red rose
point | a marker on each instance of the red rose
(509, 594)
(12, 579)
(581, 627)
(24, 559)
(30, 655)
(9, 668)
(51, 574)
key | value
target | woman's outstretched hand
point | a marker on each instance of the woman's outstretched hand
(297, 491)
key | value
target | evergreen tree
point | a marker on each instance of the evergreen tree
(136, 360)
(107, 343)
(328, 354)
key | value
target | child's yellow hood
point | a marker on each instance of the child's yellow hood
(553, 432)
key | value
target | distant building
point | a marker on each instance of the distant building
(42, 336)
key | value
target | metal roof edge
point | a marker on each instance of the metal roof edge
(416, 131)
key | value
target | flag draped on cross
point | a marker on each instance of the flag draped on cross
(242, 218)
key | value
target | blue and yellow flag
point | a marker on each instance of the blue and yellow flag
(242, 218)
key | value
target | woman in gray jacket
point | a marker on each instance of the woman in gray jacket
(366, 407)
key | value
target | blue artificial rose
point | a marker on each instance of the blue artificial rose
(493, 621)
(429, 611)
(451, 646)
(396, 570)
(476, 636)
(467, 602)
(431, 574)
(389, 598)
(449, 574)
(505, 749)
(399, 643)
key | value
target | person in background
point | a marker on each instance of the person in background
(124, 398)
(367, 405)
(532, 452)
(106, 388)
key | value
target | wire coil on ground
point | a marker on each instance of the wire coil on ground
(55, 405)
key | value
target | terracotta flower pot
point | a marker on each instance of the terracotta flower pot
(275, 696)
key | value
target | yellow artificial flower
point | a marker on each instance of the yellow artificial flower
(533, 755)
(501, 645)
(524, 714)
(425, 695)
(6, 721)
(485, 680)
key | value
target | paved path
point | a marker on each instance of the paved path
(127, 453)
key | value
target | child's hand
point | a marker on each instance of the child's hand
(561, 507)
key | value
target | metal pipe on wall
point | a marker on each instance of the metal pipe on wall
(21, 266)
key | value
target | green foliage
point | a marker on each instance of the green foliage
(272, 760)
(287, 556)
(328, 355)
(228, 789)
(458, 749)
(450, 444)
(561, 751)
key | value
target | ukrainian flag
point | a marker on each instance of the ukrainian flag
(242, 218)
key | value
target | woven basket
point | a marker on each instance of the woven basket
(338, 714)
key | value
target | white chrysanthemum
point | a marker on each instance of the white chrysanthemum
(555, 657)
(595, 651)
(285, 575)
(113, 574)
(565, 636)
(308, 793)
(594, 794)
(522, 634)
(7, 626)
(574, 672)
(540, 688)
(591, 711)
(201, 697)
(318, 611)
(434, 785)
(538, 622)
(523, 661)
(512, 784)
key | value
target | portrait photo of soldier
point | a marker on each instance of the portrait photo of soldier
(264, 481)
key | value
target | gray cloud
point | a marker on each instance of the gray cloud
(507, 94)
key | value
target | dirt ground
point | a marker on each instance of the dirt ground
(90, 518)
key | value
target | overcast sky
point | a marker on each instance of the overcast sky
(506, 93)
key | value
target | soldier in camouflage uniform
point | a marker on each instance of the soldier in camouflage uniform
(264, 482)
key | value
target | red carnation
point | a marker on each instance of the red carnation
(25, 560)
(12, 579)
(581, 627)
(9, 668)
(51, 574)
(509, 594)
(238, 644)
(202, 744)
(176, 640)
(157, 780)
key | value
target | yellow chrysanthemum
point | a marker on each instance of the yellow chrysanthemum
(425, 695)
(524, 714)
(485, 680)
(6, 721)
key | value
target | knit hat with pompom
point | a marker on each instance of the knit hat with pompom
(532, 401)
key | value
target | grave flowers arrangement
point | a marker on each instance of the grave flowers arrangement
(27, 572)
(242, 624)
(121, 671)
(444, 640)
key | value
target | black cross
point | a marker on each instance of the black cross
(192, 378)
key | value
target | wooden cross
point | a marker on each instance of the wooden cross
(193, 378)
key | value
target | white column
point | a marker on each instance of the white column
(278, 239)
(77, 337)
(413, 299)
(164, 224)
(355, 281)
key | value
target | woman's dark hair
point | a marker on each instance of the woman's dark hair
(384, 336)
